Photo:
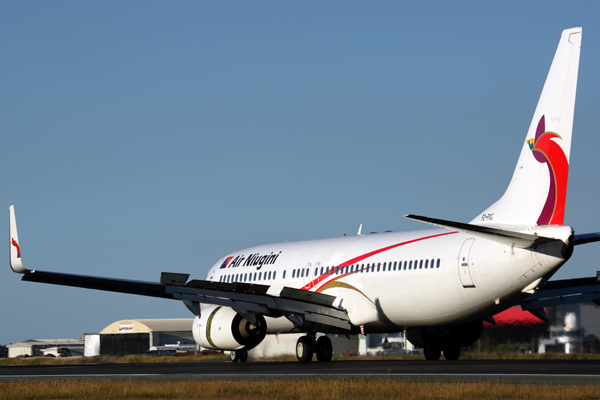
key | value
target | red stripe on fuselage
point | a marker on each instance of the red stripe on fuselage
(322, 278)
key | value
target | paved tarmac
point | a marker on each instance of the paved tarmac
(531, 371)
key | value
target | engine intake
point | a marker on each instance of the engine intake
(222, 328)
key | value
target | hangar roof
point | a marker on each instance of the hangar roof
(149, 325)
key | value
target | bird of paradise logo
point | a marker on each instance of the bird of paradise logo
(226, 262)
(546, 150)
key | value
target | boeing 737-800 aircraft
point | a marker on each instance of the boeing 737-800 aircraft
(438, 285)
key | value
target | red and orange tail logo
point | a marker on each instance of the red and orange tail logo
(546, 150)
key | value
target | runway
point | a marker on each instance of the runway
(530, 371)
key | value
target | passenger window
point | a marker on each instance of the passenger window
(410, 265)
(379, 265)
(438, 263)
(426, 262)
(321, 270)
(274, 273)
(283, 274)
(293, 273)
(269, 275)
(302, 273)
(316, 271)
(255, 276)
(421, 265)
(395, 263)
(307, 272)
(259, 276)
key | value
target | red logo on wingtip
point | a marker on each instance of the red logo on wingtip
(14, 243)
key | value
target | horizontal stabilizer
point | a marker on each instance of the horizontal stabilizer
(508, 238)
(587, 238)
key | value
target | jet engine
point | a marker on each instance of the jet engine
(223, 328)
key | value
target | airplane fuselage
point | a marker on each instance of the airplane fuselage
(391, 281)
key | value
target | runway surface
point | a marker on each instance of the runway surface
(532, 371)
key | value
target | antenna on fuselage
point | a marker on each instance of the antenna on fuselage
(359, 230)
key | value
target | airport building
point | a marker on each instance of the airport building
(46, 347)
(139, 336)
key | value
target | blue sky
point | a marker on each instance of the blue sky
(142, 137)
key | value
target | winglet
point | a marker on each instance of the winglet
(15, 250)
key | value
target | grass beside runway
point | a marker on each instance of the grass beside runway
(330, 389)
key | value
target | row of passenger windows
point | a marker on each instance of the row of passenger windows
(258, 276)
(337, 270)
(374, 267)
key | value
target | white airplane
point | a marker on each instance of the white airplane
(438, 285)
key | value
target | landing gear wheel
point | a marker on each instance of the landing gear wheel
(304, 349)
(239, 355)
(324, 349)
(432, 351)
(451, 352)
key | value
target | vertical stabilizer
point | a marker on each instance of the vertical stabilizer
(537, 192)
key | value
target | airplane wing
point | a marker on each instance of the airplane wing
(307, 310)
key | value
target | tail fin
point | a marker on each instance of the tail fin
(537, 192)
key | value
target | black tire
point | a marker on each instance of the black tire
(304, 349)
(451, 352)
(234, 356)
(432, 351)
(324, 349)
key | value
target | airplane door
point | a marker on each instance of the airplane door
(313, 274)
(463, 263)
(307, 273)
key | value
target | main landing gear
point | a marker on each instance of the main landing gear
(239, 355)
(307, 346)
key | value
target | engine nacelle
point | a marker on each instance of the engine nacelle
(222, 328)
